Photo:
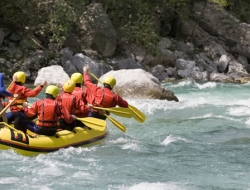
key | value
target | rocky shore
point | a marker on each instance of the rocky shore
(216, 47)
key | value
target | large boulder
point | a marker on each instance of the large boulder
(137, 83)
(219, 23)
(97, 31)
(53, 75)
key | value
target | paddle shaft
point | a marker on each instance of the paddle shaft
(9, 126)
(4, 110)
(4, 117)
(95, 77)
(3, 114)
(9, 85)
(116, 123)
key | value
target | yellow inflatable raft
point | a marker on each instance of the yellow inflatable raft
(31, 145)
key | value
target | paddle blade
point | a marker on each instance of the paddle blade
(119, 111)
(139, 116)
(94, 123)
(116, 123)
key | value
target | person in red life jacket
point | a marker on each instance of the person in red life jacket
(72, 103)
(17, 87)
(48, 111)
(80, 92)
(103, 97)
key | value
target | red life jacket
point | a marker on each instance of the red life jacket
(18, 103)
(23, 93)
(107, 98)
(80, 93)
(47, 116)
(68, 101)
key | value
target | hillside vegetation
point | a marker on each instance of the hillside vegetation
(51, 21)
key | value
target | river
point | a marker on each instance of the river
(201, 142)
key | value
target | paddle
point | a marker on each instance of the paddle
(4, 110)
(94, 123)
(9, 85)
(4, 116)
(138, 115)
(116, 123)
(119, 111)
(9, 126)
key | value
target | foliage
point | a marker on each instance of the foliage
(53, 20)
(239, 8)
(134, 20)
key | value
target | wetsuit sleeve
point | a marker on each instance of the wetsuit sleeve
(32, 111)
(120, 102)
(31, 93)
(4, 93)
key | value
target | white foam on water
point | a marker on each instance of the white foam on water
(239, 111)
(9, 180)
(131, 146)
(206, 85)
(192, 83)
(155, 186)
(149, 107)
(84, 175)
(39, 187)
(247, 122)
(228, 118)
(119, 140)
(208, 115)
(171, 138)
(127, 143)
(181, 84)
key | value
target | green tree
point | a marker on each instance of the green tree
(51, 21)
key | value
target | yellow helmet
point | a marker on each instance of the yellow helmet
(110, 81)
(52, 90)
(21, 76)
(77, 78)
(69, 86)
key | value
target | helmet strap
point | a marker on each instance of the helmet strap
(19, 83)
(50, 96)
(107, 86)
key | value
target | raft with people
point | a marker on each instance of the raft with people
(95, 130)
(74, 117)
(31, 144)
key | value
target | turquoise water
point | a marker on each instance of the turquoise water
(199, 143)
